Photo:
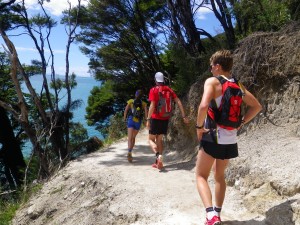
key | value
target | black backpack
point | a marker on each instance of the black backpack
(137, 109)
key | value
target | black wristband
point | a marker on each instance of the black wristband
(199, 127)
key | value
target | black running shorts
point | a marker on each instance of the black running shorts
(158, 127)
(219, 151)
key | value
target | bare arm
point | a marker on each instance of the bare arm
(184, 117)
(254, 107)
(126, 111)
(145, 111)
(208, 95)
(151, 110)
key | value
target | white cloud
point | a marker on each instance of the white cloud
(57, 51)
(202, 12)
(24, 49)
(55, 7)
(80, 71)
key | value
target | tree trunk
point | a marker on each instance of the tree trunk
(11, 152)
(182, 16)
(223, 15)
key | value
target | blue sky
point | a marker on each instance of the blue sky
(79, 62)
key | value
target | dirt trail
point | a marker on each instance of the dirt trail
(103, 188)
(171, 194)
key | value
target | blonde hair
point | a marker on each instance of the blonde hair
(224, 58)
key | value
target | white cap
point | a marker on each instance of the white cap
(159, 77)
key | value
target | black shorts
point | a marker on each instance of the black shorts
(219, 151)
(158, 126)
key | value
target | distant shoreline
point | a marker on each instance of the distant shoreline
(82, 91)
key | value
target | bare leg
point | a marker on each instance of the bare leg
(203, 168)
(130, 136)
(220, 184)
(152, 142)
(159, 143)
(156, 143)
(133, 136)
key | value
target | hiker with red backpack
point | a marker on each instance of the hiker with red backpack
(162, 98)
(134, 112)
(219, 118)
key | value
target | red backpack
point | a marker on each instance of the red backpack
(228, 115)
(164, 105)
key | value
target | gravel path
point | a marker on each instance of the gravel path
(103, 188)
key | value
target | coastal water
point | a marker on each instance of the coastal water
(81, 91)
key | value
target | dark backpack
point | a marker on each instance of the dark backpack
(164, 106)
(137, 109)
(228, 115)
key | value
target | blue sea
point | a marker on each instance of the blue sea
(81, 91)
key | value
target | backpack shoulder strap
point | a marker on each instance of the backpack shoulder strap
(163, 88)
(137, 101)
(167, 88)
(242, 87)
(159, 88)
(221, 78)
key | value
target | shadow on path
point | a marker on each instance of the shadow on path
(281, 214)
(189, 165)
(141, 156)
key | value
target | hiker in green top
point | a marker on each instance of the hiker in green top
(133, 113)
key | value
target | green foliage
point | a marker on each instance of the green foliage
(169, 65)
(33, 111)
(100, 103)
(7, 89)
(121, 38)
(33, 169)
(267, 15)
(117, 128)
(7, 211)
(188, 69)
(59, 84)
(294, 8)
(12, 203)
(7, 18)
(78, 134)
(41, 21)
(33, 69)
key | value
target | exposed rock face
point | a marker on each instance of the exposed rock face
(268, 64)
